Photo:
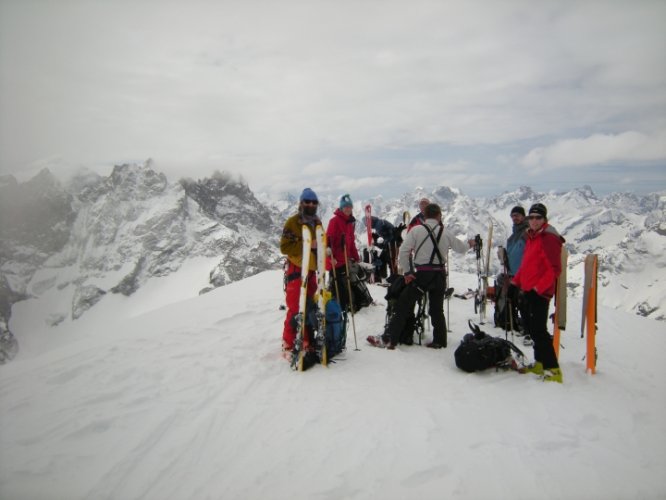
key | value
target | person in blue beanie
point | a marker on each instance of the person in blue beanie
(291, 245)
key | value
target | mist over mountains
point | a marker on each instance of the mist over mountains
(67, 245)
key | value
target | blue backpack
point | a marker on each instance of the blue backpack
(336, 334)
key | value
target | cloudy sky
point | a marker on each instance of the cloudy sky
(361, 96)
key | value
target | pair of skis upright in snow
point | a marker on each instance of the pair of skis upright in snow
(301, 344)
(482, 271)
(589, 314)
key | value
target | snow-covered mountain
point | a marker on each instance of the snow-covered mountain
(626, 230)
(68, 245)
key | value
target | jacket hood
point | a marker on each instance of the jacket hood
(338, 212)
(546, 228)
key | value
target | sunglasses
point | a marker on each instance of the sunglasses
(310, 202)
(535, 217)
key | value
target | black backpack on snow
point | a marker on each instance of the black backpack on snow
(414, 322)
(478, 351)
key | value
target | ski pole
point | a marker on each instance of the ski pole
(392, 258)
(448, 297)
(335, 278)
(506, 288)
(426, 317)
(349, 291)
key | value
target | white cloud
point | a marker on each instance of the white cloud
(599, 149)
(212, 85)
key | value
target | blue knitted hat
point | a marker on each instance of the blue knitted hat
(309, 195)
(346, 201)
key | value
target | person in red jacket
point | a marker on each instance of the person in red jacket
(340, 236)
(536, 279)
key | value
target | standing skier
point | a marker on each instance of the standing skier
(430, 243)
(419, 218)
(341, 239)
(384, 238)
(291, 245)
(536, 279)
(515, 248)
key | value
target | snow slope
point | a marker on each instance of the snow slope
(192, 401)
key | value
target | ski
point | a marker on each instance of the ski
(322, 296)
(368, 223)
(560, 315)
(465, 295)
(489, 244)
(376, 341)
(368, 226)
(299, 344)
(589, 315)
(503, 303)
(478, 248)
(482, 271)
(406, 219)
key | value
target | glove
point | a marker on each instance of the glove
(367, 266)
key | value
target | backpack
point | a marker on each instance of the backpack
(478, 351)
(395, 288)
(412, 324)
(360, 293)
(506, 310)
(336, 334)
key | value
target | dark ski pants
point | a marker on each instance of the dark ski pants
(434, 284)
(342, 288)
(536, 308)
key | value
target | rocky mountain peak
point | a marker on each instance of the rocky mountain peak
(8, 181)
(137, 181)
(36, 213)
(229, 199)
(445, 195)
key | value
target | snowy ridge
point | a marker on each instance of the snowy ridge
(194, 401)
(627, 231)
(68, 248)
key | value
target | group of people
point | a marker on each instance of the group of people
(341, 241)
(534, 265)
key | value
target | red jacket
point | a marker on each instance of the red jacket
(417, 220)
(542, 263)
(341, 228)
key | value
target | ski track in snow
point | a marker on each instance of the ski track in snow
(193, 401)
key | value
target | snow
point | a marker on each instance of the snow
(193, 401)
